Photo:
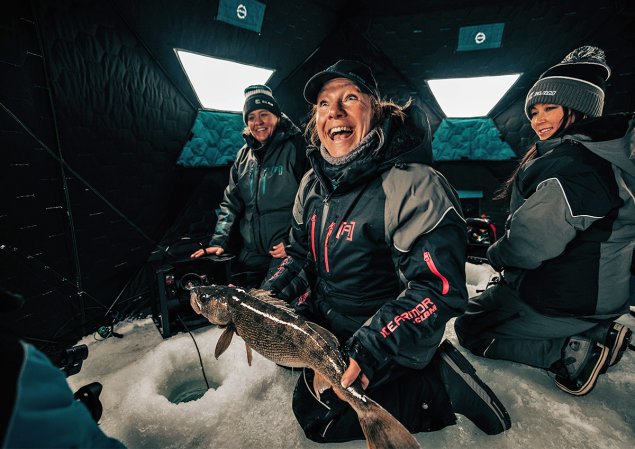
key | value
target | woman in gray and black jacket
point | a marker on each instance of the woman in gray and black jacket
(262, 185)
(381, 238)
(569, 238)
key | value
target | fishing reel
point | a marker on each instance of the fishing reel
(70, 363)
(189, 280)
(72, 359)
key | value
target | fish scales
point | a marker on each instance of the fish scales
(276, 332)
(280, 335)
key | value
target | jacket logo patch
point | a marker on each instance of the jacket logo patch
(269, 172)
(418, 314)
(346, 229)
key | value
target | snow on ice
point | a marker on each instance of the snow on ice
(146, 379)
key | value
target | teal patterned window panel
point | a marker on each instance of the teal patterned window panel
(214, 140)
(470, 138)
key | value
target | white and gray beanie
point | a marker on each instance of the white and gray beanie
(577, 83)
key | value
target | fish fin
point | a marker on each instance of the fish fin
(325, 334)
(260, 293)
(320, 384)
(382, 430)
(250, 355)
(265, 296)
(224, 340)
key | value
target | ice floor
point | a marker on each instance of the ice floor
(250, 407)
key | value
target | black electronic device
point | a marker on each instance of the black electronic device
(72, 359)
(171, 312)
(481, 233)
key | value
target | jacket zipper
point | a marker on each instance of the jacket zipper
(254, 175)
(264, 180)
(251, 179)
(428, 259)
(313, 219)
(326, 250)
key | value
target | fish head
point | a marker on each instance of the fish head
(211, 302)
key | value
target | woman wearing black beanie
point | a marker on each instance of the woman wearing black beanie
(262, 186)
(569, 238)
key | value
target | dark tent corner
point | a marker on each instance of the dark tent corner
(96, 111)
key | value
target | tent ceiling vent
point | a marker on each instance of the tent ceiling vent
(247, 14)
(480, 37)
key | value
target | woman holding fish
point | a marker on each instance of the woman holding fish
(381, 238)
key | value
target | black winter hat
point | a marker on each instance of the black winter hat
(355, 71)
(259, 96)
(577, 82)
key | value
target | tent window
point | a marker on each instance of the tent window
(471, 97)
(218, 83)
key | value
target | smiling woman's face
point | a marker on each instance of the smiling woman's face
(262, 124)
(546, 119)
(343, 116)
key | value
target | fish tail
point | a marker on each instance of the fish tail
(383, 430)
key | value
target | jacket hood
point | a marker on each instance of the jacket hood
(407, 141)
(285, 129)
(400, 140)
(611, 137)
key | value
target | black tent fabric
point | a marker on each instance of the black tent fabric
(95, 111)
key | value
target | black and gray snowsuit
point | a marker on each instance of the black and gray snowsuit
(382, 241)
(259, 197)
(566, 250)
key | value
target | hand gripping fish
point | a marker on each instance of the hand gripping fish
(275, 331)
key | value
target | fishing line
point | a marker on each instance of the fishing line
(61, 162)
(83, 181)
(12, 250)
(77, 286)
(59, 339)
(200, 359)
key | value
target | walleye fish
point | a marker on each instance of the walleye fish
(275, 331)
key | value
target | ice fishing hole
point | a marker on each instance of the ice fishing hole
(190, 390)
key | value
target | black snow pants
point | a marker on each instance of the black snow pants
(417, 398)
(499, 325)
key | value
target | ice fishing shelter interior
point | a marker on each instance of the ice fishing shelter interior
(110, 161)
